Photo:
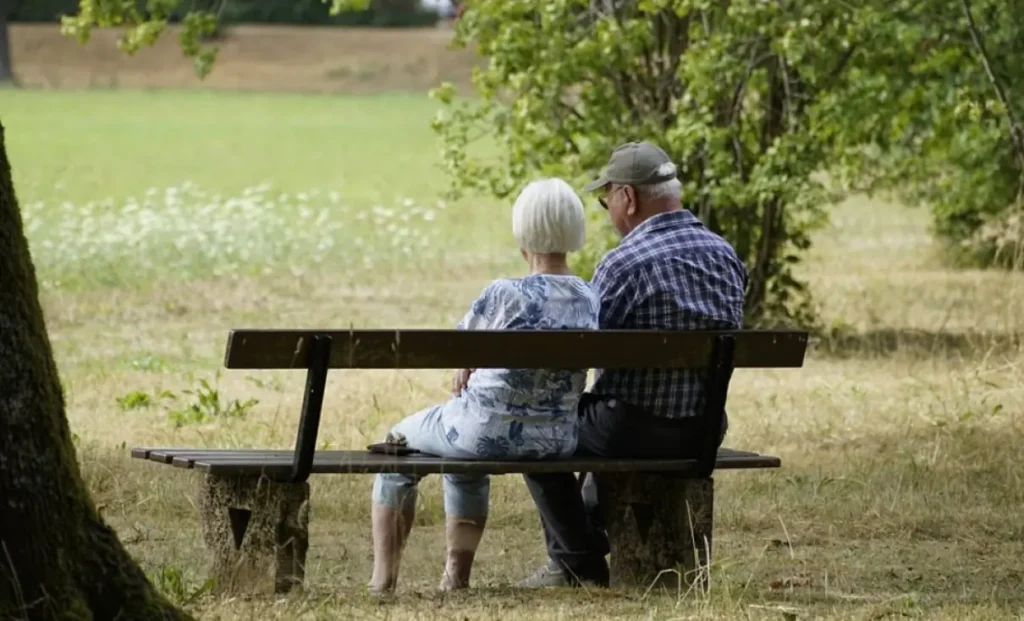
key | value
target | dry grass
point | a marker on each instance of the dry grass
(900, 494)
(251, 58)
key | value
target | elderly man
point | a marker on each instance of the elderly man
(670, 273)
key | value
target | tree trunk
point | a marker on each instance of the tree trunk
(6, 70)
(58, 558)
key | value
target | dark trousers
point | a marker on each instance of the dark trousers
(569, 506)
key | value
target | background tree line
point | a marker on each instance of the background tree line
(379, 13)
(774, 109)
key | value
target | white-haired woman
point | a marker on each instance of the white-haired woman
(497, 413)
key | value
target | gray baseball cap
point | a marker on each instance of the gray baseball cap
(635, 163)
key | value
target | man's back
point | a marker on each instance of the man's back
(670, 273)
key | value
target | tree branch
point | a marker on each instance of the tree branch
(733, 118)
(673, 45)
(1016, 133)
(837, 71)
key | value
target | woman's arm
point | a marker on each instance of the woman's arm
(459, 381)
(482, 315)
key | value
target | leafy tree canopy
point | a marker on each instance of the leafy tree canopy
(144, 22)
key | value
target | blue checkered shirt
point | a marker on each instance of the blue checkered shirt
(670, 273)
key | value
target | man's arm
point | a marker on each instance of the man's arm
(617, 291)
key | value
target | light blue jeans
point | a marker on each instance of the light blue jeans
(465, 495)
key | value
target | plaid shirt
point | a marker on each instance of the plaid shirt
(669, 273)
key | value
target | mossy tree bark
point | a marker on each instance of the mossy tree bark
(58, 558)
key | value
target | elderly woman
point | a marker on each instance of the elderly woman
(497, 413)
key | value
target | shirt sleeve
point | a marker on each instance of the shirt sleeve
(483, 313)
(617, 293)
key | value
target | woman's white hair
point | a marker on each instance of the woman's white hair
(547, 218)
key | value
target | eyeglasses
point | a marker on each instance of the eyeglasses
(601, 199)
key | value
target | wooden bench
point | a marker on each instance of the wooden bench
(254, 503)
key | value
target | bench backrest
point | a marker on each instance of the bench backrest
(513, 349)
(718, 352)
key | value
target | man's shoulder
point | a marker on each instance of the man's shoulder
(670, 239)
(714, 246)
(690, 231)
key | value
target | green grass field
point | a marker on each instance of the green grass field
(158, 221)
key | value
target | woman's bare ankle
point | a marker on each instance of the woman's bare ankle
(463, 538)
(457, 570)
(390, 530)
(382, 585)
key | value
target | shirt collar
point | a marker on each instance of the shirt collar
(671, 219)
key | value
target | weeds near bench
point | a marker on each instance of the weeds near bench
(208, 405)
(137, 399)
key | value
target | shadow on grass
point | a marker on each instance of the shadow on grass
(940, 482)
(843, 343)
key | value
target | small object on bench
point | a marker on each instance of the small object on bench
(391, 449)
(393, 444)
(255, 502)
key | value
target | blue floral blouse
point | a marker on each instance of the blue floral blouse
(523, 413)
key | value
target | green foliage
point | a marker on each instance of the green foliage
(40, 10)
(144, 22)
(138, 399)
(208, 404)
(601, 238)
(746, 97)
(376, 13)
(381, 13)
(943, 132)
(143, 25)
(272, 383)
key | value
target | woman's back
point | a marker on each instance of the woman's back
(524, 413)
(497, 413)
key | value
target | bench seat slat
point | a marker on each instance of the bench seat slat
(188, 460)
(167, 456)
(278, 463)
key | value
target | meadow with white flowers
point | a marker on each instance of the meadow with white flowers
(160, 220)
(184, 232)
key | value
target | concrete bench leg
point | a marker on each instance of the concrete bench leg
(257, 532)
(660, 529)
